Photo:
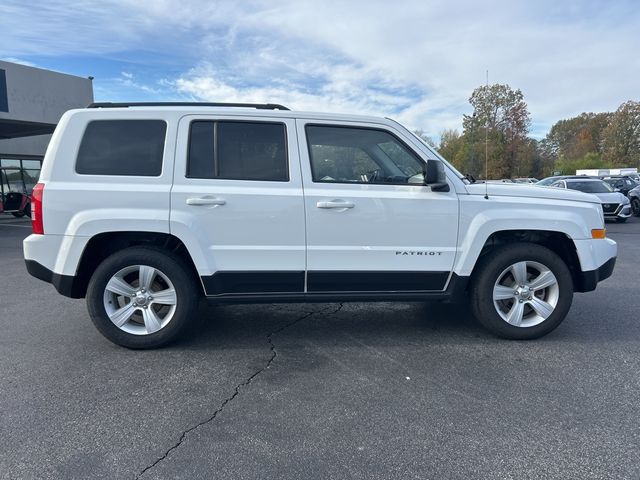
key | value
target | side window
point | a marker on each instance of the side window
(122, 147)
(361, 155)
(238, 151)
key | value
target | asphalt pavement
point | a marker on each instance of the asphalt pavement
(327, 391)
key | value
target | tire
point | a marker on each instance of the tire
(18, 214)
(116, 291)
(496, 274)
(621, 220)
(635, 206)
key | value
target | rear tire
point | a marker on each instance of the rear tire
(142, 297)
(508, 293)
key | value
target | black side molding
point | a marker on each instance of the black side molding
(221, 283)
(372, 281)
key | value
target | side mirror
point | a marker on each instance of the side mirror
(435, 176)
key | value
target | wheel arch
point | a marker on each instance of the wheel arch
(102, 245)
(558, 242)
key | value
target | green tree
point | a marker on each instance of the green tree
(622, 136)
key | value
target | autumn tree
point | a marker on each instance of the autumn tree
(575, 137)
(622, 136)
(501, 116)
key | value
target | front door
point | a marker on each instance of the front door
(372, 225)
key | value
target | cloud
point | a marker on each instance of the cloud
(416, 61)
(18, 61)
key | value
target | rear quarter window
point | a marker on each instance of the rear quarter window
(122, 147)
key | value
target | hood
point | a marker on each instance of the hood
(611, 197)
(530, 191)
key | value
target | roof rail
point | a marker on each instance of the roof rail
(259, 106)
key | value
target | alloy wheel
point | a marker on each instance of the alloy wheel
(140, 299)
(526, 294)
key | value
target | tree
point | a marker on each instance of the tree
(622, 136)
(575, 137)
(500, 116)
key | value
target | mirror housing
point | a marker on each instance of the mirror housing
(435, 177)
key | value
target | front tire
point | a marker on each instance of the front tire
(521, 291)
(142, 297)
(635, 206)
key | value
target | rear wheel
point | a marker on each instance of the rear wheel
(521, 291)
(142, 297)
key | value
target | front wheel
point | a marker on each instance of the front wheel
(142, 297)
(635, 206)
(521, 291)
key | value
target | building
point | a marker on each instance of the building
(32, 100)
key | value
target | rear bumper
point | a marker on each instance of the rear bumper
(64, 284)
(587, 281)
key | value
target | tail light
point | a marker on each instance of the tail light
(36, 209)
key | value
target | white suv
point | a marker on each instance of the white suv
(146, 208)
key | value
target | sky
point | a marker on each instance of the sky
(415, 61)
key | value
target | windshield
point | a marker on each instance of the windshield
(590, 187)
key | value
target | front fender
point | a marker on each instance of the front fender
(481, 218)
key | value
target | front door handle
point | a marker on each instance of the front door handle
(205, 201)
(335, 204)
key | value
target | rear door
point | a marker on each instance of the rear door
(372, 226)
(237, 201)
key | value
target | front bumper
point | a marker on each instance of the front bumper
(623, 211)
(587, 281)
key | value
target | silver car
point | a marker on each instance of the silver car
(614, 204)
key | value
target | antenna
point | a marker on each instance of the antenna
(486, 147)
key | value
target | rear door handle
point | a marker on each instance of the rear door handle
(335, 204)
(205, 201)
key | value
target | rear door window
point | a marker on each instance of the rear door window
(236, 150)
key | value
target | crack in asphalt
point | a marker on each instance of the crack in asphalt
(238, 387)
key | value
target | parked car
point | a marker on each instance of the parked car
(546, 182)
(621, 183)
(615, 205)
(269, 205)
(634, 198)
